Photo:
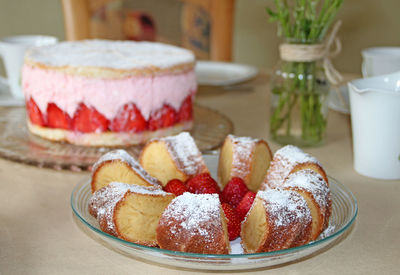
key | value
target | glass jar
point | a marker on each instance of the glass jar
(299, 103)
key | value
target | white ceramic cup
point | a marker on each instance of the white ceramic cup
(12, 51)
(380, 61)
(375, 120)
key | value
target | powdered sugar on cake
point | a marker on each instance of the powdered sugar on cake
(194, 214)
(183, 149)
(111, 54)
(243, 149)
(124, 156)
(310, 181)
(285, 159)
(285, 207)
(103, 201)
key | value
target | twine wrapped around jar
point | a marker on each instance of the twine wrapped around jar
(314, 52)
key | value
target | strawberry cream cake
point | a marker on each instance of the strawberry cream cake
(108, 93)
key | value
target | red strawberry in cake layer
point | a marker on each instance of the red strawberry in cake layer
(245, 205)
(56, 118)
(202, 184)
(233, 222)
(164, 117)
(88, 120)
(185, 112)
(234, 191)
(176, 187)
(34, 113)
(128, 119)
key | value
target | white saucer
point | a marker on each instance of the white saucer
(223, 73)
(339, 102)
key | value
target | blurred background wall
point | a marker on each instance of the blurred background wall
(366, 23)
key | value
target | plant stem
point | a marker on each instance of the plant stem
(305, 21)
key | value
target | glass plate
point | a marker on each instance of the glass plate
(344, 212)
(17, 144)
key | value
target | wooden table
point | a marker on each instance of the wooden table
(38, 234)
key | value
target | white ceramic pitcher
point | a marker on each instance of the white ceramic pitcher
(375, 119)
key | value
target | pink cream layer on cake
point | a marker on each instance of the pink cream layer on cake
(99, 92)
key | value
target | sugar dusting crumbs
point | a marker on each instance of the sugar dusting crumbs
(185, 152)
(111, 54)
(236, 246)
(285, 206)
(328, 231)
(243, 147)
(194, 213)
(310, 181)
(124, 156)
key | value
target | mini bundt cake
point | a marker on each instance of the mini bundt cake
(246, 158)
(119, 166)
(173, 157)
(316, 192)
(130, 212)
(286, 160)
(278, 219)
(291, 208)
(194, 223)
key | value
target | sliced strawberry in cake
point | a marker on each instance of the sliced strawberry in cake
(88, 119)
(128, 119)
(186, 111)
(162, 118)
(34, 113)
(56, 118)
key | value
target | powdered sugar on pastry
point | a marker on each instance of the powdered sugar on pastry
(194, 213)
(110, 54)
(285, 159)
(183, 149)
(103, 202)
(124, 156)
(311, 182)
(242, 151)
(193, 223)
(285, 207)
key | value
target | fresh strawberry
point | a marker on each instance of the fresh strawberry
(245, 205)
(233, 222)
(164, 117)
(202, 184)
(176, 187)
(34, 113)
(56, 118)
(185, 113)
(234, 191)
(128, 119)
(87, 120)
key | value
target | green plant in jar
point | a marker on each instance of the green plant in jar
(300, 86)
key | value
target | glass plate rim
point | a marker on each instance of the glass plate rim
(223, 256)
(56, 161)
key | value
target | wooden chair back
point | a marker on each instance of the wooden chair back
(206, 26)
